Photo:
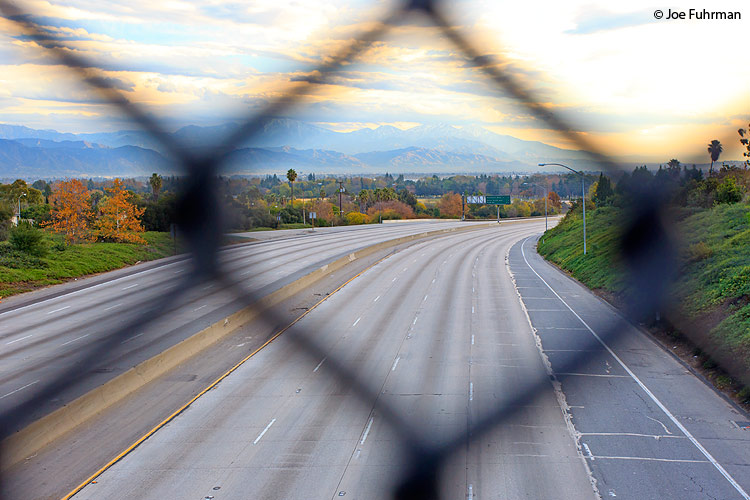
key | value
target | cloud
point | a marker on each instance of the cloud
(595, 20)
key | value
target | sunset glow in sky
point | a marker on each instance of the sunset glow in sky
(635, 85)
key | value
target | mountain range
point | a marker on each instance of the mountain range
(278, 145)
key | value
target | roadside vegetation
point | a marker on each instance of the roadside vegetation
(711, 293)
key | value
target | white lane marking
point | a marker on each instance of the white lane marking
(367, 431)
(470, 494)
(208, 287)
(58, 310)
(179, 271)
(415, 320)
(376, 298)
(472, 289)
(472, 309)
(472, 340)
(264, 431)
(572, 374)
(645, 389)
(112, 307)
(633, 434)
(395, 363)
(425, 298)
(131, 286)
(78, 338)
(679, 460)
(433, 280)
(19, 389)
(471, 391)
(131, 338)
(355, 323)
(394, 279)
(199, 308)
(319, 365)
(18, 340)
(405, 269)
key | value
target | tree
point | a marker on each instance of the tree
(603, 191)
(745, 142)
(292, 176)
(155, 182)
(450, 205)
(71, 211)
(714, 149)
(120, 218)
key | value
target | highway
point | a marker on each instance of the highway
(44, 332)
(439, 332)
(444, 332)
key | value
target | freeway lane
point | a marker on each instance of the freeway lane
(649, 427)
(439, 333)
(39, 339)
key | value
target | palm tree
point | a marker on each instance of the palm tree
(155, 182)
(714, 149)
(292, 176)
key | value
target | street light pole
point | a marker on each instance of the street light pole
(19, 207)
(583, 197)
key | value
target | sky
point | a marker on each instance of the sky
(627, 82)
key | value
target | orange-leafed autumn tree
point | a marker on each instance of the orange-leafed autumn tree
(450, 205)
(70, 210)
(119, 218)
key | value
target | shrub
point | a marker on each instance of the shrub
(722, 382)
(728, 191)
(356, 218)
(744, 394)
(699, 251)
(24, 238)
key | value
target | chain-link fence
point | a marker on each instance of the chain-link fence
(648, 250)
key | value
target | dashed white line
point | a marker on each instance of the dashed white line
(355, 323)
(472, 309)
(19, 389)
(471, 391)
(131, 286)
(433, 280)
(376, 298)
(319, 365)
(199, 308)
(18, 340)
(264, 431)
(367, 431)
(112, 307)
(78, 338)
(415, 320)
(472, 340)
(425, 298)
(470, 494)
(394, 279)
(58, 310)
(131, 338)
(395, 363)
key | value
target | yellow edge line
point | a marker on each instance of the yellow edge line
(164, 422)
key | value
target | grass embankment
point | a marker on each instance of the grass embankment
(20, 272)
(712, 290)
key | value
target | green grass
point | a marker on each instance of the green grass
(20, 273)
(713, 284)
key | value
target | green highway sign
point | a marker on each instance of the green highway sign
(497, 200)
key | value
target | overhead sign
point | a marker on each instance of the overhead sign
(488, 200)
(497, 200)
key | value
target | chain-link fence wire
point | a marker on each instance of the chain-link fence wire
(648, 250)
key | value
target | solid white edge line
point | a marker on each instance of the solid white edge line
(264, 431)
(645, 389)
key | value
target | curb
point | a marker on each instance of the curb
(47, 429)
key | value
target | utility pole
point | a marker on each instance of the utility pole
(341, 192)
(463, 206)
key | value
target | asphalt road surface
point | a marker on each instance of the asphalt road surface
(44, 332)
(438, 335)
